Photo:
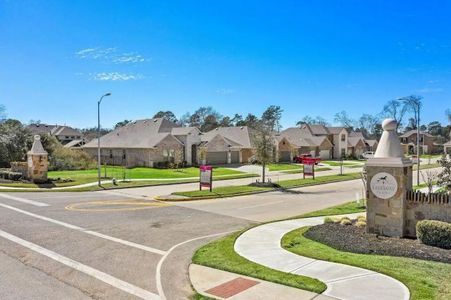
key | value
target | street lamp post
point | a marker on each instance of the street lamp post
(98, 137)
(418, 143)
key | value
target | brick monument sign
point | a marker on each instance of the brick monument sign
(37, 160)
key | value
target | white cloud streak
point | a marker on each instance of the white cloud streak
(115, 76)
(111, 55)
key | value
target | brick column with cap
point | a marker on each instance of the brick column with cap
(38, 163)
(389, 175)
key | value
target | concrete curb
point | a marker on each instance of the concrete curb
(262, 245)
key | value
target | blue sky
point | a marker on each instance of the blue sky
(310, 57)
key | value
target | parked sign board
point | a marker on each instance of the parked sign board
(309, 167)
(206, 177)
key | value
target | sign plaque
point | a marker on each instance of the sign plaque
(384, 185)
(206, 177)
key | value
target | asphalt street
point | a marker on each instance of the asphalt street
(124, 245)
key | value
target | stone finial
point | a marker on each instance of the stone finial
(37, 148)
(389, 144)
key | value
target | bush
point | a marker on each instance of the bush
(345, 221)
(360, 223)
(434, 233)
(329, 220)
(15, 176)
(68, 159)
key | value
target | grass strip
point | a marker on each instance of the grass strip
(299, 171)
(220, 254)
(425, 279)
(229, 191)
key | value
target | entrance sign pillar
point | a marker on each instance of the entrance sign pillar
(389, 176)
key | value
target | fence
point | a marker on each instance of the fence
(435, 198)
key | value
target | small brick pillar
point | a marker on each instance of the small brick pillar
(37, 159)
(389, 176)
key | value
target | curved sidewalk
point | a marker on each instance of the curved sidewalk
(262, 245)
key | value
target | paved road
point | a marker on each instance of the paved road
(121, 244)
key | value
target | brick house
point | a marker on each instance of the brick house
(146, 143)
(64, 134)
(227, 145)
(427, 144)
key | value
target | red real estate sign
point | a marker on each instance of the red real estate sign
(309, 166)
(206, 177)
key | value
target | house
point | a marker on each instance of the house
(146, 143)
(227, 145)
(427, 144)
(358, 144)
(371, 145)
(339, 138)
(302, 140)
(64, 134)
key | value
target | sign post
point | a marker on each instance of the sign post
(309, 167)
(206, 177)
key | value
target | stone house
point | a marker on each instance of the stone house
(356, 146)
(64, 134)
(227, 145)
(146, 143)
(427, 143)
(301, 140)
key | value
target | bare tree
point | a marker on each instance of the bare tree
(395, 109)
(429, 177)
(343, 119)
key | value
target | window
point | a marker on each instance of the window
(111, 153)
(421, 139)
(123, 154)
(343, 137)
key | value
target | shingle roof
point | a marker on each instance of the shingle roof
(411, 132)
(40, 128)
(138, 134)
(318, 129)
(73, 143)
(183, 130)
(335, 130)
(242, 136)
(356, 134)
(301, 137)
(37, 147)
(354, 140)
(65, 130)
(447, 143)
(371, 143)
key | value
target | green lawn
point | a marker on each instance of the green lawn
(299, 171)
(87, 176)
(425, 279)
(220, 254)
(342, 209)
(228, 191)
(284, 167)
(336, 163)
(426, 166)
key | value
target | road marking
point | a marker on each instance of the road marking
(135, 205)
(113, 281)
(160, 263)
(258, 205)
(90, 232)
(23, 200)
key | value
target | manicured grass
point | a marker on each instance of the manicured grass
(220, 254)
(425, 279)
(87, 176)
(197, 296)
(229, 191)
(336, 163)
(299, 171)
(284, 167)
(346, 208)
(426, 166)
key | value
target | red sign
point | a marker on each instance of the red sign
(309, 166)
(206, 177)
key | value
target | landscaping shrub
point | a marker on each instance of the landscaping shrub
(360, 223)
(329, 220)
(434, 233)
(15, 176)
(345, 221)
(67, 159)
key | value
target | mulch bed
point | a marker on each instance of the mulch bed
(354, 239)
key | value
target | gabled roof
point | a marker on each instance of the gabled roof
(371, 143)
(37, 147)
(335, 130)
(64, 130)
(142, 134)
(411, 132)
(447, 143)
(356, 134)
(184, 130)
(74, 143)
(353, 141)
(40, 128)
(302, 137)
(240, 136)
(318, 129)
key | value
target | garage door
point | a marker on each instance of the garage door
(284, 156)
(235, 157)
(324, 154)
(217, 158)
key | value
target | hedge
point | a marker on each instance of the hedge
(15, 176)
(434, 233)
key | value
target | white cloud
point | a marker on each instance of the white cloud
(224, 91)
(429, 90)
(111, 55)
(115, 76)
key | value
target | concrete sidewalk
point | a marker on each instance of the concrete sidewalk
(225, 285)
(262, 245)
